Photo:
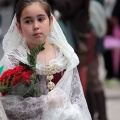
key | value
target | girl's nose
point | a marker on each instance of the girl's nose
(36, 25)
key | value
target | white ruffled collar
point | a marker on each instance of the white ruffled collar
(60, 62)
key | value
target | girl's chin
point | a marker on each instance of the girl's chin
(35, 44)
(38, 42)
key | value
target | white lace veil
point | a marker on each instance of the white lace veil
(68, 87)
(13, 39)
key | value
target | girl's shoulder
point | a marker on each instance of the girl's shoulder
(14, 55)
(20, 50)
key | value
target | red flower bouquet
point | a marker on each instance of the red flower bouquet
(22, 80)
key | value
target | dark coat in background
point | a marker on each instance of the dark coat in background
(116, 11)
(76, 11)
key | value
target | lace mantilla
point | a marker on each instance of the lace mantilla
(65, 102)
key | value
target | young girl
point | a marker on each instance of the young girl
(33, 25)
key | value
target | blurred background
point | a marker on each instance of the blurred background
(92, 27)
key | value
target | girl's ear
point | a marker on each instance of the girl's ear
(51, 22)
(19, 27)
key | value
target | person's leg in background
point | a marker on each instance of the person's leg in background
(107, 54)
(95, 95)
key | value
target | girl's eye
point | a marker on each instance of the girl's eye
(28, 21)
(41, 19)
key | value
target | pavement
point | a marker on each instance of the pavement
(112, 93)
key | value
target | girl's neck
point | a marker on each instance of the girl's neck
(47, 54)
(47, 46)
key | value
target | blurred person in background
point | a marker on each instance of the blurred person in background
(112, 43)
(115, 19)
(75, 15)
(95, 93)
(108, 58)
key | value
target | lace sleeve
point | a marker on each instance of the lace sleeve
(9, 61)
(77, 96)
(18, 109)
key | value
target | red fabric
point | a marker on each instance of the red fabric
(83, 78)
(91, 47)
(57, 77)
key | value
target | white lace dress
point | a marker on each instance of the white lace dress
(65, 102)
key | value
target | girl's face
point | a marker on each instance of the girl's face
(34, 24)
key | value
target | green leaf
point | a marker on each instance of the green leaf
(1, 69)
(4, 86)
(31, 57)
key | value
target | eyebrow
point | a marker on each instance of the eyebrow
(40, 15)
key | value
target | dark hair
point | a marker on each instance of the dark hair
(23, 3)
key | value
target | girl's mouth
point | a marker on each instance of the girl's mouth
(37, 35)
